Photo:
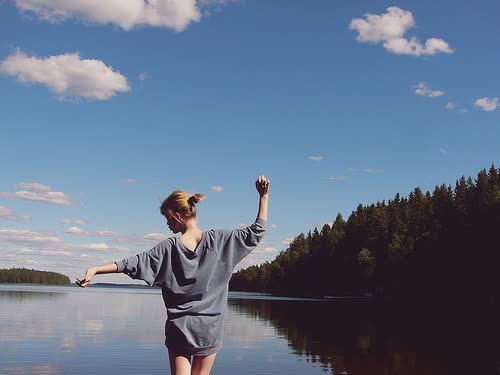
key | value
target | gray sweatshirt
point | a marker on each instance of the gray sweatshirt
(195, 283)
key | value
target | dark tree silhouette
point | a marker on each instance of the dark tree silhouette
(438, 246)
(23, 275)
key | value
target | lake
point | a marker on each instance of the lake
(69, 330)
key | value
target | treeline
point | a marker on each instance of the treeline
(23, 275)
(440, 244)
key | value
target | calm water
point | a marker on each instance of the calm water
(68, 330)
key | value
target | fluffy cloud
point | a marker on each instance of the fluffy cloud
(390, 28)
(47, 241)
(487, 104)
(27, 237)
(49, 252)
(423, 90)
(79, 231)
(455, 107)
(173, 14)
(316, 158)
(66, 75)
(39, 192)
(130, 181)
(217, 189)
(8, 214)
(35, 186)
(75, 230)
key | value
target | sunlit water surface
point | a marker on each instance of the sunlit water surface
(68, 330)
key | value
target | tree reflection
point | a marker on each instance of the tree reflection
(363, 337)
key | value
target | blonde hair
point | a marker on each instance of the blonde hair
(179, 201)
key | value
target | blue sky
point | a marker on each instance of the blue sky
(108, 108)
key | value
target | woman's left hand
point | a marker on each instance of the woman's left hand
(262, 185)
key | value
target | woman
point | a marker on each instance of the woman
(193, 271)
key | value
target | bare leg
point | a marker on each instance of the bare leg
(180, 364)
(203, 364)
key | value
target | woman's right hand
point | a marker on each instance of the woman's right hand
(91, 272)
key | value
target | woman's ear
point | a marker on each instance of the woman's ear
(177, 216)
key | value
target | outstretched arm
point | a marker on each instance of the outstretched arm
(91, 272)
(262, 186)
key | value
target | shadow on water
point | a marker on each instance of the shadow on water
(368, 337)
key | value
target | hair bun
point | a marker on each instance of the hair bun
(195, 198)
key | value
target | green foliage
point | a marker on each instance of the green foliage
(367, 263)
(23, 275)
(426, 245)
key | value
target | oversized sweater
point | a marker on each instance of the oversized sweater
(195, 283)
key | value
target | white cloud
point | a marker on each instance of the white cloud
(443, 151)
(217, 189)
(144, 76)
(33, 186)
(156, 237)
(286, 241)
(48, 252)
(8, 214)
(265, 250)
(273, 226)
(423, 90)
(48, 242)
(337, 177)
(103, 233)
(316, 158)
(380, 28)
(173, 14)
(101, 247)
(455, 107)
(76, 222)
(75, 230)
(27, 237)
(390, 29)
(79, 231)
(368, 170)
(54, 197)
(402, 46)
(41, 193)
(66, 75)
(147, 240)
(487, 104)
(130, 181)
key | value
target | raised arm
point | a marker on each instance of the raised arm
(262, 186)
(91, 272)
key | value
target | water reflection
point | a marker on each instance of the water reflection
(68, 330)
(361, 337)
(65, 330)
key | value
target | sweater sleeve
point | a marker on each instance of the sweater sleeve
(147, 265)
(239, 243)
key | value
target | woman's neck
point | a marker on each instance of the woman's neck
(191, 227)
